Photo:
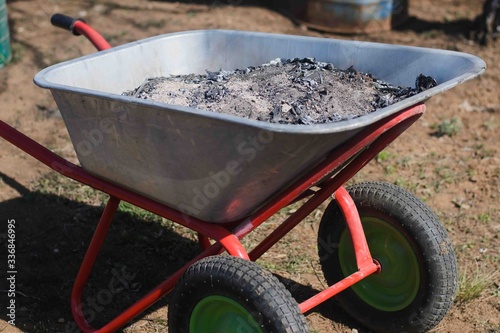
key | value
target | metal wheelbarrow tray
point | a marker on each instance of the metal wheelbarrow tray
(215, 167)
(223, 176)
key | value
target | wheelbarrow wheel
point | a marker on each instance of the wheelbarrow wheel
(418, 278)
(224, 294)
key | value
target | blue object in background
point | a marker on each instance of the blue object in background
(5, 51)
(355, 16)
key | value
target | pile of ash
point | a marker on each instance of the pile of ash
(293, 91)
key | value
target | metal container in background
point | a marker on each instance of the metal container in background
(347, 16)
(354, 16)
(5, 52)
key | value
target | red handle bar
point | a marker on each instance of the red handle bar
(79, 27)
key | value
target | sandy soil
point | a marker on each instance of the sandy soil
(458, 176)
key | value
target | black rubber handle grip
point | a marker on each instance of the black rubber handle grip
(65, 22)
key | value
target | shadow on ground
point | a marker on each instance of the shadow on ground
(460, 27)
(220, 2)
(328, 309)
(52, 235)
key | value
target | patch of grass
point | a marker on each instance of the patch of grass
(290, 263)
(405, 161)
(18, 50)
(471, 173)
(145, 25)
(389, 169)
(484, 217)
(490, 124)
(446, 174)
(407, 184)
(472, 285)
(55, 183)
(431, 34)
(383, 156)
(139, 213)
(447, 127)
(482, 152)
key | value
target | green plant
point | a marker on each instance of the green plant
(389, 169)
(405, 161)
(18, 51)
(490, 124)
(448, 127)
(482, 152)
(484, 217)
(446, 174)
(473, 284)
(55, 183)
(407, 184)
(383, 156)
(431, 34)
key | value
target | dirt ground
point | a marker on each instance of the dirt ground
(449, 158)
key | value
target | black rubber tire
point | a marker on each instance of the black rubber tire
(254, 288)
(429, 241)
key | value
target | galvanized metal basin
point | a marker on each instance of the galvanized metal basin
(217, 167)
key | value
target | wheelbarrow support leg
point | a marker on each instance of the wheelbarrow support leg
(88, 262)
(227, 241)
(363, 256)
(365, 263)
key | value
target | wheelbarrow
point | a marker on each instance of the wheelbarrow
(386, 257)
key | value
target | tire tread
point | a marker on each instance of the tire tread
(247, 279)
(422, 224)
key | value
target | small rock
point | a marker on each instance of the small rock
(99, 9)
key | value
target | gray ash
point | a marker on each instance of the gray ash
(292, 91)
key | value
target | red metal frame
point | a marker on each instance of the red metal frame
(93, 36)
(344, 162)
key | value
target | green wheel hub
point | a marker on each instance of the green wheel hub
(397, 285)
(220, 314)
